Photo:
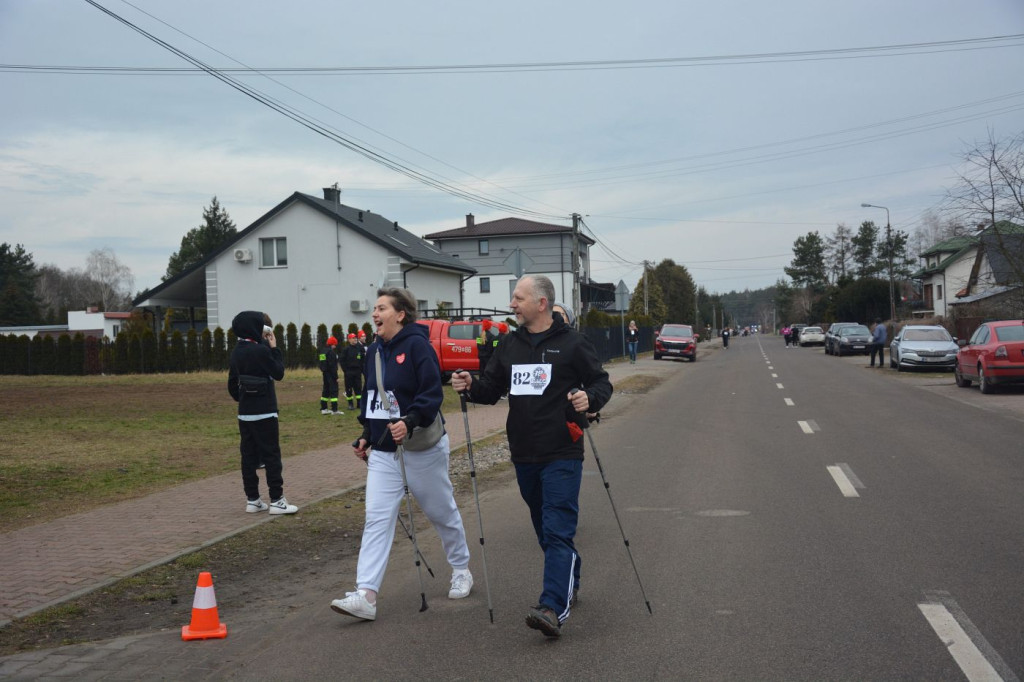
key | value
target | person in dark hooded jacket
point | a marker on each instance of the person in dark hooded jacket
(540, 365)
(409, 392)
(255, 364)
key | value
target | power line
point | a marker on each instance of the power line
(903, 49)
(300, 118)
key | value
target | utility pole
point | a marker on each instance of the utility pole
(646, 312)
(576, 265)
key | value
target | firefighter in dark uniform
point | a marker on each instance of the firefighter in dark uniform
(329, 369)
(486, 342)
(351, 360)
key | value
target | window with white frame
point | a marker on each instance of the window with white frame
(485, 285)
(274, 252)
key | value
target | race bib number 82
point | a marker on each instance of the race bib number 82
(530, 379)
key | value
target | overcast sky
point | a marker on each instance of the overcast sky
(718, 164)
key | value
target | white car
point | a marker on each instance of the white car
(810, 336)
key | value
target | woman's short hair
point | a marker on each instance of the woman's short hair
(402, 300)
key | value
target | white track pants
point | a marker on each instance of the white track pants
(427, 471)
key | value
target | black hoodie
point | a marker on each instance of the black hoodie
(254, 366)
(537, 425)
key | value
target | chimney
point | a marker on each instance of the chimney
(332, 194)
(470, 220)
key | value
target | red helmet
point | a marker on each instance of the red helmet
(362, 334)
(351, 336)
(502, 328)
(487, 324)
(331, 341)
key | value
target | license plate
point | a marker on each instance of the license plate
(935, 359)
(858, 347)
(675, 350)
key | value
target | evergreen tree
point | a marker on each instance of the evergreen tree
(18, 302)
(307, 352)
(220, 354)
(808, 265)
(657, 311)
(864, 244)
(200, 242)
(678, 290)
(291, 354)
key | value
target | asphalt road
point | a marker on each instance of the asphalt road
(870, 530)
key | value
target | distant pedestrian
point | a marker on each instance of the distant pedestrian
(725, 338)
(787, 334)
(329, 372)
(633, 339)
(352, 360)
(879, 335)
(255, 364)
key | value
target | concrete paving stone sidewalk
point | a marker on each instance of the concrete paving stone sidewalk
(50, 563)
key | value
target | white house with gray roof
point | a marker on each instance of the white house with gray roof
(497, 249)
(312, 260)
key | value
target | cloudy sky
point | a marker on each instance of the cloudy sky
(712, 133)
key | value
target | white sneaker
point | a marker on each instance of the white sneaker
(355, 604)
(462, 584)
(325, 411)
(282, 507)
(257, 505)
(337, 412)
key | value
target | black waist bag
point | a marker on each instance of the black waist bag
(251, 386)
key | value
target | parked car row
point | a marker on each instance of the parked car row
(846, 338)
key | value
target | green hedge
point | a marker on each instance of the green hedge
(146, 353)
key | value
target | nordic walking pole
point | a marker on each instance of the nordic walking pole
(607, 489)
(400, 452)
(355, 444)
(476, 494)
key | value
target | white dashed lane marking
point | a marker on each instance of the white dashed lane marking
(964, 642)
(789, 401)
(809, 426)
(779, 386)
(844, 483)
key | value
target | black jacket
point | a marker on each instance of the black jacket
(254, 366)
(329, 361)
(537, 425)
(412, 374)
(351, 358)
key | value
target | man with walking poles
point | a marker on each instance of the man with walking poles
(553, 377)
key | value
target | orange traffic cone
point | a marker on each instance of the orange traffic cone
(205, 621)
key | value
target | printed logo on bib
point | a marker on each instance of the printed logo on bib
(530, 379)
(374, 410)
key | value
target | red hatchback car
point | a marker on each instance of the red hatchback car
(994, 355)
(675, 341)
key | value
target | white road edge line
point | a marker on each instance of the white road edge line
(843, 482)
(970, 659)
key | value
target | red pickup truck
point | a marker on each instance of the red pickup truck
(455, 344)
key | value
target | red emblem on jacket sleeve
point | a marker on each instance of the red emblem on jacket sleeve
(400, 358)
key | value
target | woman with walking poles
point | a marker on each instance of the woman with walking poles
(405, 447)
(553, 376)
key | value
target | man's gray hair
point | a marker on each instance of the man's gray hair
(543, 287)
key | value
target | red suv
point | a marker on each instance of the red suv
(675, 341)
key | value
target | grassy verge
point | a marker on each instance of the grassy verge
(70, 444)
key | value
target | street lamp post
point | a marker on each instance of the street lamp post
(888, 248)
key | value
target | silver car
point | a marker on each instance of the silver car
(922, 345)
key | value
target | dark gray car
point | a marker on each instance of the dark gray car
(832, 335)
(855, 339)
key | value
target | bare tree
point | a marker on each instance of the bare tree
(989, 193)
(112, 280)
(59, 291)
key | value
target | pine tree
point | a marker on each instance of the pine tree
(200, 242)
(18, 303)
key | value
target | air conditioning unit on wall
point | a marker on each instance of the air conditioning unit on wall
(243, 255)
(359, 306)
